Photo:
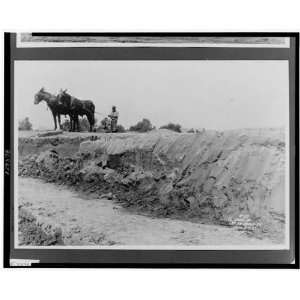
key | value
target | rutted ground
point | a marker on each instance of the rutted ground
(230, 178)
(104, 222)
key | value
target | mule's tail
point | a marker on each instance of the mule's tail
(92, 107)
(91, 116)
(93, 113)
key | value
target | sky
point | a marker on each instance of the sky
(196, 94)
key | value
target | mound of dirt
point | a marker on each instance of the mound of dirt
(228, 177)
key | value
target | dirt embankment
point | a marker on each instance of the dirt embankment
(232, 177)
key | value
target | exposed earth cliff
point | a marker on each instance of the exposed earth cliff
(233, 178)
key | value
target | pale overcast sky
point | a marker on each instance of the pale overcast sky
(210, 94)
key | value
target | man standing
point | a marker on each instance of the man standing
(114, 115)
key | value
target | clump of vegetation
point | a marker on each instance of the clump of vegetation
(120, 128)
(25, 124)
(84, 124)
(33, 233)
(172, 126)
(66, 125)
(142, 126)
(105, 126)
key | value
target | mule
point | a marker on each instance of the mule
(55, 106)
(77, 108)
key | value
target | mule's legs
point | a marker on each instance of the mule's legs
(91, 121)
(59, 121)
(54, 119)
(76, 122)
(71, 123)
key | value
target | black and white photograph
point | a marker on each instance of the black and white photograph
(150, 150)
(152, 154)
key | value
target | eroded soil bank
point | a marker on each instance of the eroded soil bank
(233, 178)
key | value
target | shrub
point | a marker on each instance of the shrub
(25, 124)
(84, 124)
(192, 130)
(142, 126)
(172, 126)
(34, 233)
(120, 128)
(105, 126)
(66, 125)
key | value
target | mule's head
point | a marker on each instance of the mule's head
(39, 96)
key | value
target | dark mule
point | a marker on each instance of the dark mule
(56, 108)
(78, 108)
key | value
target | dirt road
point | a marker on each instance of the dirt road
(103, 222)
